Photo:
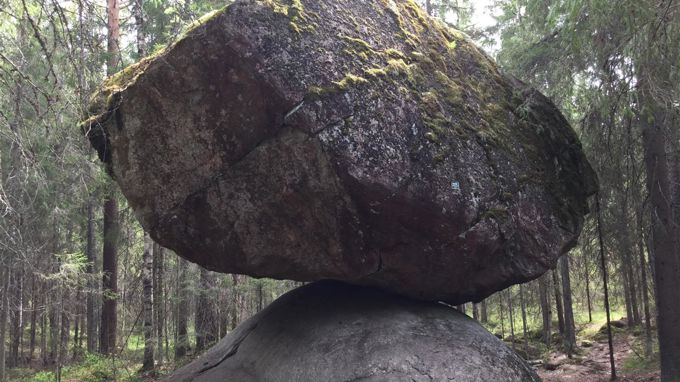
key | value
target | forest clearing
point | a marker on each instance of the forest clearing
(320, 190)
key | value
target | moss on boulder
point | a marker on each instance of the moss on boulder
(359, 140)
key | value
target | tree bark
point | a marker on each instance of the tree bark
(54, 316)
(524, 317)
(91, 281)
(546, 312)
(107, 335)
(17, 317)
(158, 270)
(645, 297)
(34, 316)
(205, 313)
(587, 279)
(569, 327)
(64, 329)
(43, 337)
(500, 308)
(235, 302)
(260, 302)
(664, 239)
(182, 345)
(512, 317)
(76, 324)
(147, 304)
(605, 287)
(484, 312)
(4, 313)
(558, 302)
(630, 291)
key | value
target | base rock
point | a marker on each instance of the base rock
(330, 331)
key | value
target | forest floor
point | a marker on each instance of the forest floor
(592, 365)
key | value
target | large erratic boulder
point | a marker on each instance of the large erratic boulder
(329, 331)
(356, 140)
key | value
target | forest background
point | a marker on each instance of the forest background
(86, 295)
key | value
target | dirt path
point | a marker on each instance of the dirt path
(594, 365)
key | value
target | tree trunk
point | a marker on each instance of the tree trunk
(4, 313)
(645, 297)
(634, 305)
(54, 316)
(512, 317)
(182, 345)
(524, 317)
(64, 330)
(587, 279)
(90, 251)
(107, 335)
(158, 265)
(17, 317)
(484, 312)
(569, 327)
(260, 303)
(76, 324)
(34, 317)
(43, 337)
(630, 291)
(205, 316)
(632, 308)
(546, 312)
(113, 36)
(605, 286)
(461, 308)
(664, 237)
(236, 302)
(558, 302)
(500, 308)
(91, 281)
(147, 304)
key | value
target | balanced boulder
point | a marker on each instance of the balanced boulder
(328, 331)
(358, 140)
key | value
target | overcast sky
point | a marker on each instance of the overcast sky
(482, 17)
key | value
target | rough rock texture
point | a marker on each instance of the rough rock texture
(352, 140)
(328, 331)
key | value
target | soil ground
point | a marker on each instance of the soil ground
(593, 364)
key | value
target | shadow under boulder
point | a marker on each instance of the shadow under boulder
(330, 331)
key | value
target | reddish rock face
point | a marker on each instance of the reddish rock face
(357, 140)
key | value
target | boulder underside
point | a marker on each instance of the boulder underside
(329, 331)
(359, 141)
